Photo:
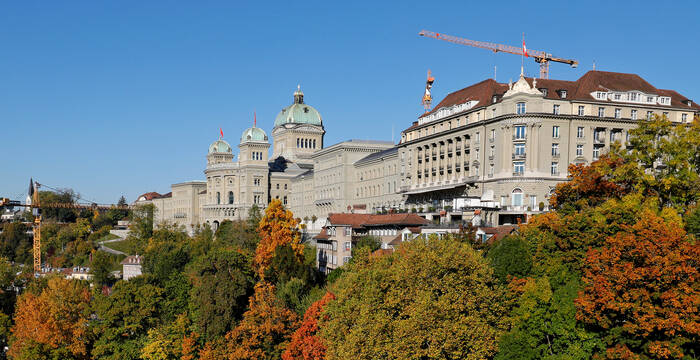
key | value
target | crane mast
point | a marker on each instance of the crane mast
(541, 57)
(36, 207)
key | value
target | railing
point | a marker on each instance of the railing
(518, 156)
(519, 137)
(518, 173)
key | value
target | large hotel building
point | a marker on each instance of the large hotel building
(490, 153)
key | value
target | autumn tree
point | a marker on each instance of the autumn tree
(306, 344)
(277, 227)
(222, 281)
(424, 301)
(52, 324)
(265, 330)
(641, 291)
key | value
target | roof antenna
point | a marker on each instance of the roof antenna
(494, 73)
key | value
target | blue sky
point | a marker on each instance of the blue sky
(124, 97)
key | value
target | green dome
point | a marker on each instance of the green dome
(254, 134)
(298, 113)
(219, 146)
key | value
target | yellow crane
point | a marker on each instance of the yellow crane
(541, 57)
(36, 207)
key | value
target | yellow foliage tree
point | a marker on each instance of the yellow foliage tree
(278, 227)
(266, 329)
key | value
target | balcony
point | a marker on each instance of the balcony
(519, 138)
(519, 156)
(491, 157)
(599, 139)
(518, 173)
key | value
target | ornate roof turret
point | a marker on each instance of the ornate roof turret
(220, 146)
(253, 134)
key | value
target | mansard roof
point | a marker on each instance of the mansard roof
(580, 89)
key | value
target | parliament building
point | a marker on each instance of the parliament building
(490, 153)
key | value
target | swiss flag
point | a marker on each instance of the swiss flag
(525, 50)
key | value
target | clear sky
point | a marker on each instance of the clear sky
(124, 97)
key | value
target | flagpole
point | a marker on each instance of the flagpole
(522, 57)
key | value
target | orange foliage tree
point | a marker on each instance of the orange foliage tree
(54, 323)
(265, 330)
(591, 185)
(277, 227)
(306, 344)
(642, 291)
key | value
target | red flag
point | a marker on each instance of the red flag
(525, 49)
(221, 132)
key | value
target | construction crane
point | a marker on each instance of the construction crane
(36, 207)
(541, 57)
(427, 95)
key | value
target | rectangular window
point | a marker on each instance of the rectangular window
(491, 170)
(580, 110)
(533, 202)
(493, 134)
(618, 113)
(596, 153)
(477, 138)
(520, 132)
(633, 115)
(617, 96)
(520, 108)
(632, 96)
(649, 114)
(519, 167)
(665, 114)
(555, 109)
(555, 149)
(503, 200)
(684, 117)
(601, 112)
(519, 149)
(563, 94)
(579, 132)
(348, 246)
(555, 168)
(348, 231)
(555, 132)
(579, 150)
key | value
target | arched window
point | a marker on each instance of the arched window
(314, 144)
(306, 143)
(297, 142)
(230, 197)
(218, 198)
(516, 197)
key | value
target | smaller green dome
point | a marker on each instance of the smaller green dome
(255, 134)
(220, 146)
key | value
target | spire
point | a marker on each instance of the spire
(298, 95)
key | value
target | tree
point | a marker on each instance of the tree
(15, 244)
(641, 291)
(65, 196)
(141, 226)
(237, 233)
(276, 228)
(100, 269)
(510, 257)
(170, 341)
(369, 242)
(53, 323)
(167, 253)
(424, 301)
(125, 317)
(286, 265)
(692, 222)
(265, 330)
(254, 217)
(222, 281)
(306, 344)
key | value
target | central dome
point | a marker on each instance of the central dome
(298, 113)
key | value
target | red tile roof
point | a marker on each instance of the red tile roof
(498, 232)
(580, 89)
(150, 195)
(364, 220)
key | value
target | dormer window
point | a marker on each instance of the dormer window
(562, 94)
(632, 96)
(544, 91)
(689, 102)
(617, 96)
(494, 99)
(601, 95)
(650, 99)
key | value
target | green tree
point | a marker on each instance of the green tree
(222, 281)
(16, 244)
(142, 222)
(367, 242)
(237, 233)
(167, 253)
(124, 318)
(424, 301)
(510, 257)
(692, 222)
(65, 196)
(100, 268)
